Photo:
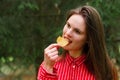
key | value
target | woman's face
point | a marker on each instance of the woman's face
(75, 32)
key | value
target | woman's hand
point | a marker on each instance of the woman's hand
(50, 57)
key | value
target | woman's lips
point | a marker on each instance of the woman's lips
(68, 40)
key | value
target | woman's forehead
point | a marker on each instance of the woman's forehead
(76, 21)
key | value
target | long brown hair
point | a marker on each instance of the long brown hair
(98, 61)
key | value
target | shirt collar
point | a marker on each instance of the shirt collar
(77, 61)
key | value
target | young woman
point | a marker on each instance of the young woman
(86, 55)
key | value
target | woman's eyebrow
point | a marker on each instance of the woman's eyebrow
(68, 23)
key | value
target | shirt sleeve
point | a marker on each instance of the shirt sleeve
(44, 75)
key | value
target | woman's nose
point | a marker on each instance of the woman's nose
(69, 32)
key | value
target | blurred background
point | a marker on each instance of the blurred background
(28, 26)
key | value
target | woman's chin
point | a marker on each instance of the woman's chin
(66, 48)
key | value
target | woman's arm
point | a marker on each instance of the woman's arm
(43, 74)
(46, 70)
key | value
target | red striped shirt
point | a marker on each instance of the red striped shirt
(67, 69)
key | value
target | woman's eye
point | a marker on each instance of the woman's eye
(68, 25)
(77, 31)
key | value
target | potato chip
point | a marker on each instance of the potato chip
(62, 41)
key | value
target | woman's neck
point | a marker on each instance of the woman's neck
(75, 53)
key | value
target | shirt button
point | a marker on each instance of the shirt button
(73, 66)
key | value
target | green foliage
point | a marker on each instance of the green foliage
(27, 27)
(29, 5)
(111, 20)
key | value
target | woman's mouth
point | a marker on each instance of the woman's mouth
(69, 41)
